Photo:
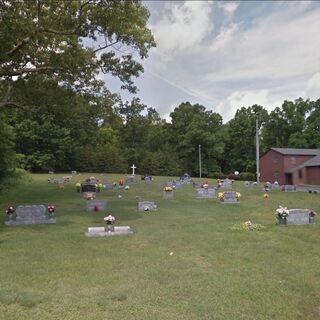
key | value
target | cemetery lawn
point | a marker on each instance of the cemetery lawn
(215, 272)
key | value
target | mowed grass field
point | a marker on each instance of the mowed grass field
(55, 272)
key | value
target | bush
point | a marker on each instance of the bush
(216, 175)
(247, 176)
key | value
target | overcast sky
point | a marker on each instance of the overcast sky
(226, 55)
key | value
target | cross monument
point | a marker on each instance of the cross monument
(133, 168)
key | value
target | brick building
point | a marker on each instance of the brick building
(291, 166)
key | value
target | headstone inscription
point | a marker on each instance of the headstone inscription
(230, 197)
(147, 206)
(31, 214)
(299, 217)
(206, 193)
(96, 205)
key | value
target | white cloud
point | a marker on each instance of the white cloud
(183, 26)
(229, 8)
(312, 90)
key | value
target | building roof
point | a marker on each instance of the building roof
(297, 152)
(313, 162)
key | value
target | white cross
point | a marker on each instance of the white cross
(133, 167)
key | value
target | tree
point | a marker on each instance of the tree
(193, 125)
(240, 150)
(50, 38)
(286, 125)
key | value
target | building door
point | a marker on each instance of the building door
(288, 178)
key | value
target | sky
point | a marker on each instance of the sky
(226, 55)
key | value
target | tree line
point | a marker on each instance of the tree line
(56, 115)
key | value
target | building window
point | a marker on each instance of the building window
(276, 174)
(293, 160)
(300, 174)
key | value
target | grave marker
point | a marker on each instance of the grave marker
(206, 193)
(96, 205)
(147, 206)
(31, 214)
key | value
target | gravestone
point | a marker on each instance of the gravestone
(109, 186)
(31, 214)
(101, 231)
(299, 217)
(86, 195)
(206, 193)
(147, 206)
(147, 179)
(246, 184)
(226, 184)
(289, 188)
(131, 180)
(88, 187)
(73, 172)
(96, 205)
(275, 186)
(167, 195)
(230, 197)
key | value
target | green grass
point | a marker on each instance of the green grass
(55, 272)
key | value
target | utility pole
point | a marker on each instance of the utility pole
(257, 151)
(200, 159)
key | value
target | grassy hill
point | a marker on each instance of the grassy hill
(215, 272)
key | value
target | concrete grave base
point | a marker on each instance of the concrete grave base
(26, 222)
(101, 231)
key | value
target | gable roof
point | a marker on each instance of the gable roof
(297, 152)
(313, 162)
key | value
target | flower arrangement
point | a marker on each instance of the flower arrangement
(90, 196)
(266, 196)
(167, 189)
(312, 214)
(10, 211)
(78, 186)
(282, 212)
(238, 195)
(249, 226)
(51, 210)
(127, 188)
(109, 220)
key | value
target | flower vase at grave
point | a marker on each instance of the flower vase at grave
(110, 227)
(283, 220)
(10, 217)
(95, 209)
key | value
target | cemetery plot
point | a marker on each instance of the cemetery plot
(309, 189)
(206, 193)
(147, 206)
(31, 214)
(96, 205)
